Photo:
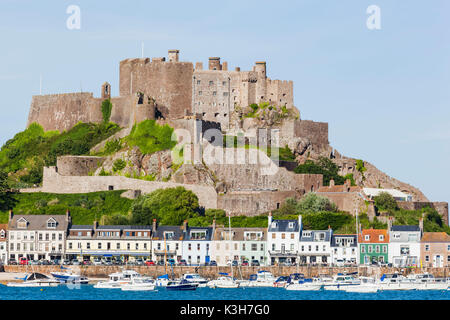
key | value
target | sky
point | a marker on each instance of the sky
(384, 92)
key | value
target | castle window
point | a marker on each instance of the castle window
(110, 188)
(214, 93)
(216, 114)
(211, 82)
(225, 94)
(198, 81)
(224, 83)
(224, 114)
(199, 93)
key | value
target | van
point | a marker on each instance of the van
(340, 262)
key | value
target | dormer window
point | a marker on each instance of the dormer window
(396, 235)
(274, 224)
(22, 223)
(291, 225)
(381, 237)
(51, 223)
(169, 235)
(306, 234)
(367, 237)
(2, 234)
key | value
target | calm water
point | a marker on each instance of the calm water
(88, 292)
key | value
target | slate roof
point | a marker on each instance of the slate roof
(39, 222)
(239, 233)
(283, 226)
(159, 234)
(336, 236)
(124, 227)
(187, 234)
(405, 228)
(328, 234)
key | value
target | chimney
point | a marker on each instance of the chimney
(270, 219)
(348, 184)
(389, 224)
(95, 225)
(332, 183)
(214, 224)
(237, 69)
(10, 215)
(185, 225)
(174, 55)
(300, 222)
(154, 226)
(225, 66)
(67, 216)
(214, 63)
(199, 66)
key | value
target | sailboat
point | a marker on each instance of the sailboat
(225, 281)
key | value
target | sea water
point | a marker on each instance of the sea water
(88, 292)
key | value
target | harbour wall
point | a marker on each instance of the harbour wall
(213, 272)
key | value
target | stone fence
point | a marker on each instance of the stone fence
(244, 272)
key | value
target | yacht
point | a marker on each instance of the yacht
(262, 279)
(139, 284)
(427, 281)
(69, 277)
(116, 280)
(303, 284)
(195, 278)
(224, 281)
(281, 282)
(181, 285)
(35, 280)
(341, 281)
(366, 285)
(395, 281)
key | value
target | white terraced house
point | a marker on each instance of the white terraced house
(37, 237)
(283, 240)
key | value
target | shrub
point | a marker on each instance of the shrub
(118, 165)
(150, 137)
(106, 110)
(385, 201)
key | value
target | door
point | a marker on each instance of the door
(437, 261)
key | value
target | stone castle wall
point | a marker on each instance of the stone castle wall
(440, 207)
(53, 182)
(77, 165)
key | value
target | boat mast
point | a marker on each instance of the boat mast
(229, 237)
(165, 254)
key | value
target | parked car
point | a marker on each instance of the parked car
(149, 263)
(107, 261)
(213, 263)
(33, 262)
(12, 262)
(87, 262)
(171, 262)
(244, 263)
(66, 262)
(339, 263)
(255, 263)
(55, 261)
(44, 262)
(160, 263)
(97, 262)
(139, 262)
(23, 261)
(182, 262)
(76, 262)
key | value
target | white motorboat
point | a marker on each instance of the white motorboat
(262, 279)
(116, 280)
(164, 281)
(139, 284)
(195, 278)
(305, 285)
(396, 281)
(427, 281)
(340, 282)
(35, 280)
(367, 285)
(69, 277)
(223, 282)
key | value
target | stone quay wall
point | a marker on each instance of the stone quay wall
(244, 272)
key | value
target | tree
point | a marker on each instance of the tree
(7, 200)
(323, 166)
(385, 201)
(170, 206)
(312, 202)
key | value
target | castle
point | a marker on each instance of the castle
(194, 98)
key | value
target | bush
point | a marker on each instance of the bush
(150, 137)
(323, 166)
(106, 110)
(385, 201)
(118, 165)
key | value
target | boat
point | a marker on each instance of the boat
(395, 281)
(69, 277)
(427, 281)
(262, 279)
(341, 281)
(366, 285)
(181, 285)
(116, 280)
(281, 282)
(163, 281)
(225, 281)
(195, 278)
(35, 279)
(139, 284)
(303, 284)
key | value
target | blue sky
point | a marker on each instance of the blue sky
(385, 93)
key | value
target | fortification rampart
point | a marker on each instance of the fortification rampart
(53, 182)
(77, 165)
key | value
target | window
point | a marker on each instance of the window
(273, 235)
(60, 237)
(262, 247)
(118, 246)
(404, 250)
(367, 237)
(159, 246)
(292, 247)
(88, 245)
(291, 225)
(254, 247)
(381, 237)
(224, 83)
(370, 249)
(427, 247)
(273, 246)
(99, 245)
(189, 246)
(377, 249)
(53, 236)
(427, 258)
(363, 249)
(243, 247)
(199, 93)
(309, 248)
(137, 246)
(70, 245)
(214, 93)
(211, 83)
(396, 235)
(292, 236)
(198, 246)
(47, 236)
(283, 236)
(198, 81)
(384, 249)
(225, 94)
(317, 248)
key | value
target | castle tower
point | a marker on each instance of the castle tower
(174, 55)
(214, 63)
(106, 91)
(260, 67)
